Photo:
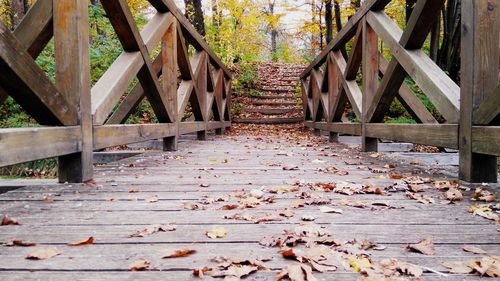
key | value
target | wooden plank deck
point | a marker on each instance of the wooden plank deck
(228, 165)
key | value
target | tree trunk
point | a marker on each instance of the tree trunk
(320, 13)
(274, 32)
(435, 36)
(449, 53)
(194, 13)
(338, 24)
(18, 8)
(216, 22)
(328, 21)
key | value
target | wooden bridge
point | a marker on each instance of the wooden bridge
(265, 205)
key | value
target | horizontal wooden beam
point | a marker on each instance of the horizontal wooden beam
(338, 127)
(486, 139)
(191, 127)
(113, 135)
(435, 83)
(212, 125)
(27, 144)
(347, 32)
(442, 135)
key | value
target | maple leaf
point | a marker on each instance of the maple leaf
(453, 194)
(88, 241)
(139, 265)
(424, 199)
(43, 253)
(152, 199)
(425, 247)
(481, 194)
(179, 253)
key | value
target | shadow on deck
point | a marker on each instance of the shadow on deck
(163, 187)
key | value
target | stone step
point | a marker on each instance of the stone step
(273, 97)
(273, 103)
(277, 90)
(274, 111)
(275, 120)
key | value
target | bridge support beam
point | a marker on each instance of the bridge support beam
(71, 40)
(479, 78)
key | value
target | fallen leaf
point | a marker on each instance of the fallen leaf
(329, 210)
(453, 194)
(153, 229)
(424, 199)
(88, 241)
(296, 272)
(179, 253)
(43, 253)
(318, 161)
(133, 191)
(484, 211)
(204, 185)
(481, 194)
(152, 199)
(217, 232)
(425, 247)
(48, 199)
(6, 220)
(286, 213)
(200, 272)
(20, 243)
(291, 168)
(139, 265)
(308, 218)
(474, 250)
(458, 267)
(359, 263)
(230, 207)
(190, 206)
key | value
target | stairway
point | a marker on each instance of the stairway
(277, 101)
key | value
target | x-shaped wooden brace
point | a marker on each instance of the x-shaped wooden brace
(23, 79)
(122, 21)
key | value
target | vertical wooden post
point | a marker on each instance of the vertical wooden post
(479, 76)
(370, 81)
(169, 80)
(219, 131)
(334, 137)
(317, 132)
(201, 80)
(71, 40)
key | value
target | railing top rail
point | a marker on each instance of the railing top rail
(164, 6)
(347, 32)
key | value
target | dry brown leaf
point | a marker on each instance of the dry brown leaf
(250, 202)
(458, 267)
(43, 253)
(152, 229)
(425, 247)
(329, 210)
(217, 232)
(296, 272)
(204, 185)
(481, 194)
(445, 185)
(474, 250)
(20, 243)
(308, 218)
(200, 272)
(179, 253)
(139, 265)
(133, 191)
(152, 199)
(48, 199)
(230, 207)
(290, 168)
(424, 199)
(88, 241)
(6, 220)
(234, 269)
(484, 211)
(416, 187)
(453, 194)
(286, 213)
(190, 206)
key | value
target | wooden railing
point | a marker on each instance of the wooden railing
(472, 111)
(77, 118)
